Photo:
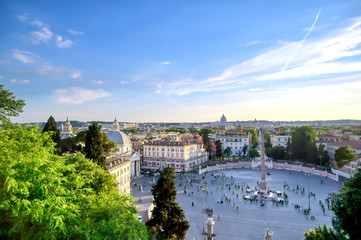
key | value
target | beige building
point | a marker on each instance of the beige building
(179, 155)
(279, 140)
(121, 170)
(66, 130)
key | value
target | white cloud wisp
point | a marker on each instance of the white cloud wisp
(78, 95)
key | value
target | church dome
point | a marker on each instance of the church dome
(223, 119)
(119, 137)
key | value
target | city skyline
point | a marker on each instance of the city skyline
(182, 62)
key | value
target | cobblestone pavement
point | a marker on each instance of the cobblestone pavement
(250, 220)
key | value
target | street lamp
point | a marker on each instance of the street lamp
(309, 195)
(203, 189)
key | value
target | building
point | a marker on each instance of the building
(125, 149)
(223, 121)
(66, 130)
(235, 143)
(280, 140)
(331, 148)
(179, 155)
(120, 168)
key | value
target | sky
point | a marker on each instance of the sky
(182, 61)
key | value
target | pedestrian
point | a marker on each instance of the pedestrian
(219, 217)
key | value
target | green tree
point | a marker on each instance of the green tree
(288, 149)
(219, 152)
(52, 126)
(94, 148)
(9, 106)
(168, 218)
(319, 233)
(244, 150)
(277, 153)
(252, 153)
(267, 140)
(344, 155)
(208, 130)
(347, 206)
(47, 196)
(322, 154)
(206, 141)
(227, 152)
(304, 144)
(255, 141)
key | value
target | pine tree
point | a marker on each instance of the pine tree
(168, 217)
(51, 126)
(94, 149)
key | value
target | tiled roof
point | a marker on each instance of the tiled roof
(353, 144)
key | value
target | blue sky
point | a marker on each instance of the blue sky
(177, 61)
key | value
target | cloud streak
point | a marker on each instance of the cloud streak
(78, 95)
(333, 53)
(303, 40)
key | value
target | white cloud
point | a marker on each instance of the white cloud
(63, 43)
(251, 43)
(123, 82)
(21, 82)
(44, 35)
(25, 81)
(78, 95)
(256, 89)
(164, 63)
(22, 18)
(73, 32)
(58, 72)
(24, 56)
(97, 82)
(37, 23)
(330, 54)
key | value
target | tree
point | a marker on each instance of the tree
(347, 206)
(227, 152)
(344, 155)
(288, 149)
(255, 141)
(9, 106)
(206, 142)
(277, 153)
(51, 126)
(322, 154)
(219, 152)
(319, 233)
(304, 144)
(252, 153)
(267, 140)
(244, 150)
(47, 196)
(168, 218)
(94, 149)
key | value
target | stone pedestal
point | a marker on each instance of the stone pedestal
(210, 224)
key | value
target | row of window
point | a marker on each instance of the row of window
(234, 140)
(163, 149)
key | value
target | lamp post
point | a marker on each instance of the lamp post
(203, 189)
(320, 159)
(309, 196)
(222, 187)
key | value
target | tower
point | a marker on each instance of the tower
(115, 125)
(263, 167)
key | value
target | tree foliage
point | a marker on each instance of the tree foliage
(167, 217)
(94, 148)
(252, 153)
(255, 141)
(205, 136)
(9, 105)
(347, 206)
(227, 151)
(319, 233)
(323, 154)
(303, 144)
(219, 152)
(46, 196)
(244, 150)
(277, 153)
(51, 126)
(344, 155)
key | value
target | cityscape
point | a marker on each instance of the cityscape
(180, 120)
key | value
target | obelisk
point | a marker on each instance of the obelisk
(263, 167)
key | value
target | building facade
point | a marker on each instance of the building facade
(125, 150)
(66, 130)
(182, 156)
(120, 168)
(280, 140)
(235, 143)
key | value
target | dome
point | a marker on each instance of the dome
(223, 119)
(120, 138)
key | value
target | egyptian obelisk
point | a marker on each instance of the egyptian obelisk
(263, 167)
